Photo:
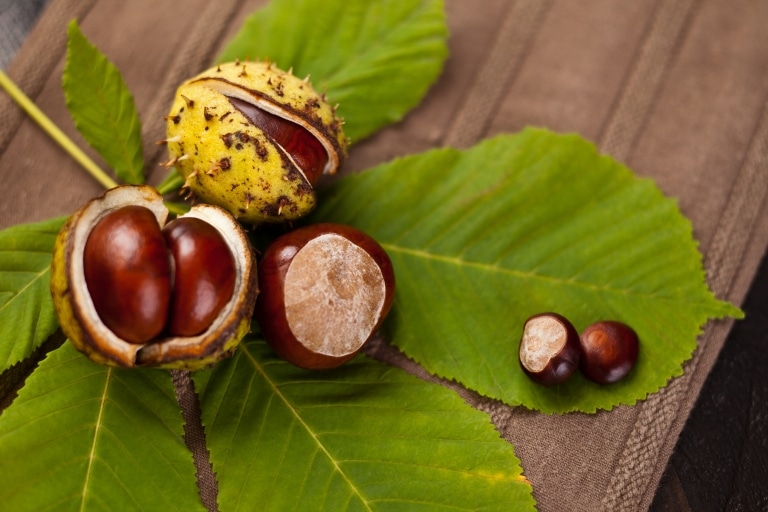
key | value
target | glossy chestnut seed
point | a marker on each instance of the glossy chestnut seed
(325, 290)
(128, 273)
(308, 153)
(608, 351)
(203, 275)
(549, 349)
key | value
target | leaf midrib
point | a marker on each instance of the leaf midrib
(16, 293)
(102, 73)
(97, 431)
(301, 421)
(493, 268)
(115, 119)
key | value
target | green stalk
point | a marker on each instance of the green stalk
(171, 183)
(56, 134)
(176, 208)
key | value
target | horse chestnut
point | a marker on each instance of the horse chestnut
(549, 349)
(203, 275)
(254, 139)
(325, 290)
(128, 273)
(129, 292)
(608, 351)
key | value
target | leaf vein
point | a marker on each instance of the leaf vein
(92, 454)
(276, 390)
(496, 269)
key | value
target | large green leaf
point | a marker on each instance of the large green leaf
(26, 309)
(518, 225)
(102, 107)
(376, 58)
(86, 437)
(363, 437)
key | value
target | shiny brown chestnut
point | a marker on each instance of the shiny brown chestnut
(145, 281)
(128, 273)
(115, 299)
(608, 351)
(303, 147)
(203, 275)
(325, 290)
(549, 349)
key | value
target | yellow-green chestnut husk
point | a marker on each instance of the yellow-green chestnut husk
(229, 158)
(84, 327)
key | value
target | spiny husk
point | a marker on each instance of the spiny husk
(228, 161)
(82, 325)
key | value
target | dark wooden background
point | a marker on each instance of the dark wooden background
(720, 462)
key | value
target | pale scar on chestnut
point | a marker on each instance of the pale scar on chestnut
(326, 289)
(549, 349)
(334, 293)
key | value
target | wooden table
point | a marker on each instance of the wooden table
(721, 459)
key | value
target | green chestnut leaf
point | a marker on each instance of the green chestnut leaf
(365, 436)
(27, 318)
(376, 59)
(82, 436)
(522, 224)
(102, 107)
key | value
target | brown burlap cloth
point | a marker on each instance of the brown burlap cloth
(677, 89)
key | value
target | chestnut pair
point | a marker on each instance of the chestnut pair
(551, 350)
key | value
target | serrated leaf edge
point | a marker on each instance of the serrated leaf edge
(130, 174)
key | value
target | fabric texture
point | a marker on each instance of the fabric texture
(676, 89)
(15, 19)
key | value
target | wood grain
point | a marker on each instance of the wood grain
(721, 458)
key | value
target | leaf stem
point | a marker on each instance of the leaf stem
(177, 208)
(56, 134)
(171, 183)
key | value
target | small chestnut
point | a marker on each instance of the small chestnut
(325, 290)
(608, 351)
(549, 349)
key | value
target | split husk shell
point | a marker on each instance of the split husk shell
(229, 161)
(82, 325)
